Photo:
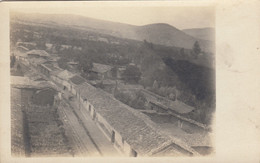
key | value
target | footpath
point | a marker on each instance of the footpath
(100, 141)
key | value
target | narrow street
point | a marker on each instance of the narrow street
(87, 138)
(79, 140)
(84, 136)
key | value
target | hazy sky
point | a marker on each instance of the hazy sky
(178, 16)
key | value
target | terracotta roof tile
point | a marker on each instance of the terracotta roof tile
(136, 129)
(39, 52)
(77, 80)
(65, 75)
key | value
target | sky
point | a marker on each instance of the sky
(180, 16)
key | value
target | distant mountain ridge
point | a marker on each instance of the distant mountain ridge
(159, 33)
(202, 33)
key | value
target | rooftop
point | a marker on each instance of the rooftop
(77, 80)
(50, 67)
(22, 47)
(37, 60)
(198, 139)
(176, 105)
(136, 128)
(26, 43)
(180, 107)
(25, 82)
(101, 68)
(65, 75)
(42, 53)
(20, 54)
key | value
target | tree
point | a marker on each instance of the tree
(114, 72)
(85, 63)
(62, 62)
(155, 85)
(132, 74)
(41, 44)
(146, 82)
(182, 51)
(196, 48)
(56, 47)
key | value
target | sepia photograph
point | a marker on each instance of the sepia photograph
(146, 81)
(112, 81)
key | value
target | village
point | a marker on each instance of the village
(96, 123)
(89, 92)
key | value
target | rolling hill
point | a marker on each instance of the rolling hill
(202, 33)
(163, 34)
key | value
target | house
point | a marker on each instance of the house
(161, 104)
(180, 107)
(175, 108)
(20, 55)
(62, 78)
(101, 71)
(35, 62)
(22, 49)
(75, 81)
(47, 68)
(28, 45)
(38, 54)
(131, 132)
(26, 82)
(120, 71)
(108, 85)
(157, 107)
(72, 66)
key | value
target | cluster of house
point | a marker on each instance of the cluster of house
(131, 132)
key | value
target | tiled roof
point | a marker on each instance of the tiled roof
(65, 75)
(198, 139)
(77, 80)
(55, 73)
(22, 47)
(136, 128)
(37, 60)
(39, 52)
(109, 82)
(176, 106)
(180, 107)
(17, 53)
(21, 81)
(51, 67)
(105, 82)
(100, 68)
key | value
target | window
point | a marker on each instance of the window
(113, 137)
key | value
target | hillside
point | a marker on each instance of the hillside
(165, 34)
(160, 33)
(202, 33)
(171, 67)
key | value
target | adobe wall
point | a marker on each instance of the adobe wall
(121, 145)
